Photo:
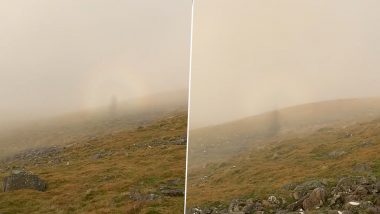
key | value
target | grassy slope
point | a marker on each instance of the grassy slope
(79, 126)
(89, 185)
(217, 143)
(262, 171)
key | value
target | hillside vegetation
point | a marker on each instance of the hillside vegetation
(129, 161)
(217, 143)
(106, 174)
(79, 126)
(318, 144)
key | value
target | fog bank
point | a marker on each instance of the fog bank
(66, 56)
(250, 57)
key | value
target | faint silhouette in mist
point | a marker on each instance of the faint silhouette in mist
(274, 125)
(113, 108)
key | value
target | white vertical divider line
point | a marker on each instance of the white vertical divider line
(188, 104)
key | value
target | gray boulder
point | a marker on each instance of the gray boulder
(316, 199)
(20, 179)
(302, 189)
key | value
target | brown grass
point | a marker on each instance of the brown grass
(261, 172)
(90, 185)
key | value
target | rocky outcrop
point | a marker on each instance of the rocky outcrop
(172, 188)
(301, 190)
(20, 179)
(39, 156)
(172, 192)
(350, 195)
(180, 140)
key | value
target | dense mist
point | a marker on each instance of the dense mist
(251, 57)
(58, 57)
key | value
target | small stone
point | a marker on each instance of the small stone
(354, 203)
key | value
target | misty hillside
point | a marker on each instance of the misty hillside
(223, 141)
(136, 169)
(278, 168)
(331, 147)
(89, 124)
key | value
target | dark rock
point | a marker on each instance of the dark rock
(350, 197)
(336, 200)
(349, 184)
(179, 141)
(20, 179)
(353, 207)
(298, 204)
(377, 200)
(373, 210)
(237, 206)
(317, 198)
(244, 206)
(195, 210)
(365, 205)
(172, 192)
(102, 154)
(302, 189)
(354, 194)
(39, 155)
(273, 200)
(360, 190)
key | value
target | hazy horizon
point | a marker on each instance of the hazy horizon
(59, 57)
(251, 57)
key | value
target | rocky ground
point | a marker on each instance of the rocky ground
(357, 194)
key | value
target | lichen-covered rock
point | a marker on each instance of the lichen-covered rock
(302, 189)
(20, 179)
(172, 192)
(316, 199)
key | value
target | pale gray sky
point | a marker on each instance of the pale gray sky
(60, 56)
(252, 56)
